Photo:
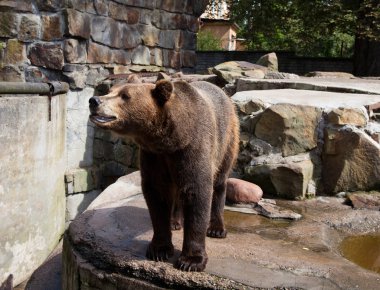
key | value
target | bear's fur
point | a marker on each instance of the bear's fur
(188, 135)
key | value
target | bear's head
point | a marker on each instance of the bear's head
(131, 107)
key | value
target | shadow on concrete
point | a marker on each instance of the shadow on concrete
(110, 236)
(48, 276)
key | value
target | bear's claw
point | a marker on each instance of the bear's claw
(217, 233)
(175, 225)
(159, 253)
(191, 263)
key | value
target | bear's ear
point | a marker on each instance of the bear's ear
(163, 91)
(162, 76)
(133, 79)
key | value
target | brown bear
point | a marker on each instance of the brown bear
(188, 135)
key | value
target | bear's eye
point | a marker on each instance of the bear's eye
(124, 96)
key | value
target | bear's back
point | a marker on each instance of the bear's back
(227, 128)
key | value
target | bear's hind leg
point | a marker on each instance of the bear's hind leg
(216, 228)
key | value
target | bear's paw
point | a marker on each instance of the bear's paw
(219, 233)
(159, 253)
(191, 263)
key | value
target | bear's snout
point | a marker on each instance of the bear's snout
(94, 102)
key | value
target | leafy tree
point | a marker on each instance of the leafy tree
(206, 41)
(310, 28)
(367, 42)
(368, 23)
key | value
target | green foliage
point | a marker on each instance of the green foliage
(206, 41)
(310, 28)
(369, 20)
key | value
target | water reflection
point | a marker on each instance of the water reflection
(363, 250)
(237, 222)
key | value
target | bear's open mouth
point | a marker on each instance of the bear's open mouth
(102, 118)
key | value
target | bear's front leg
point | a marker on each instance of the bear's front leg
(196, 211)
(158, 196)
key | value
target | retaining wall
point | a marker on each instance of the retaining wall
(32, 192)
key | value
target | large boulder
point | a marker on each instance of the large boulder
(291, 180)
(350, 160)
(269, 60)
(348, 116)
(231, 70)
(288, 177)
(293, 128)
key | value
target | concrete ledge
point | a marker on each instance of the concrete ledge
(357, 86)
(317, 99)
(105, 248)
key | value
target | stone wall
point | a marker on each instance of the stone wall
(83, 42)
(287, 61)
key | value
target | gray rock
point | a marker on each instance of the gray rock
(169, 39)
(365, 200)
(259, 147)
(292, 128)
(52, 27)
(141, 55)
(327, 74)
(101, 7)
(96, 75)
(98, 53)
(49, 55)
(15, 52)
(29, 28)
(8, 24)
(76, 75)
(280, 75)
(348, 116)
(123, 13)
(149, 34)
(269, 60)
(75, 51)
(350, 160)
(232, 70)
(51, 5)
(291, 180)
(78, 23)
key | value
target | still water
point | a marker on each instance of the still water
(363, 251)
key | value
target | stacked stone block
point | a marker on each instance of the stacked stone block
(82, 42)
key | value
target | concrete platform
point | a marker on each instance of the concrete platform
(319, 99)
(358, 86)
(105, 248)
